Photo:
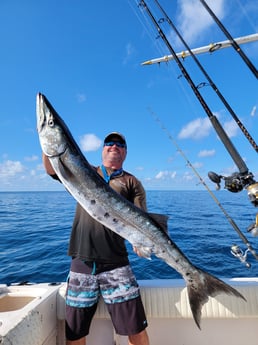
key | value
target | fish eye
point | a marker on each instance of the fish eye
(51, 121)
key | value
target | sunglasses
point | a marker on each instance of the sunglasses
(117, 143)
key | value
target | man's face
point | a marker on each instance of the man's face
(114, 153)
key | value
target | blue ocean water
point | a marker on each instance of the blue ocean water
(35, 229)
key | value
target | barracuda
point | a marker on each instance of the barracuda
(115, 212)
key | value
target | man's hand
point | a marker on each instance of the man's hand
(137, 251)
(47, 165)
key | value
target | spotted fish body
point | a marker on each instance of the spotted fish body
(115, 212)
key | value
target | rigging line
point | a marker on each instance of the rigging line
(231, 39)
(244, 11)
(159, 46)
(216, 125)
(215, 88)
(231, 221)
(146, 26)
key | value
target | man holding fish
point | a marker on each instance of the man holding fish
(100, 264)
(124, 214)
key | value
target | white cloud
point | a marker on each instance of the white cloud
(231, 128)
(10, 168)
(253, 112)
(196, 129)
(31, 159)
(188, 176)
(90, 142)
(165, 175)
(206, 153)
(194, 19)
(197, 165)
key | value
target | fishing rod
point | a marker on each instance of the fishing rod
(211, 83)
(211, 48)
(237, 181)
(236, 251)
(231, 39)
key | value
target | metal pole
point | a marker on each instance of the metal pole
(211, 48)
(232, 41)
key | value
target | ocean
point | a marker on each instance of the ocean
(35, 229)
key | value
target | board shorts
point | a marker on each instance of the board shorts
(119, 289)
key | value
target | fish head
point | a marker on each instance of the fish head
(50, 128)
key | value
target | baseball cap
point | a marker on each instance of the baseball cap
(115, 135)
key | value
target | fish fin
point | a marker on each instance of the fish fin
(161, 220)
(201, 287)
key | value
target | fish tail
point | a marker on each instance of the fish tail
(201, 287)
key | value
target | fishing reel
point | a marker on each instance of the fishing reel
(238, 253)
(235, 182)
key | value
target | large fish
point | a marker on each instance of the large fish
(115, 212)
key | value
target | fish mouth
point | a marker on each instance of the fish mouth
(46, 118)
(41, 117)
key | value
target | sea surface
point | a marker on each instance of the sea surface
(35, 229)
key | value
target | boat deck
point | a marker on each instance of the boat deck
(225, 319)
(34, 314)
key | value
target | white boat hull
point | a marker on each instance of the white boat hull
(37, 316)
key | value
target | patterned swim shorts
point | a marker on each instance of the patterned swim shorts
(116, 286)
(120, 292)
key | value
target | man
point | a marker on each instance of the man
(100, 262)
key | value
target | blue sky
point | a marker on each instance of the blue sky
(86, 56)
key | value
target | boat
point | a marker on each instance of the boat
(34, 314)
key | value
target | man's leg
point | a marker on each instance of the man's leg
(124, 304)
(81, 341)
(139, 338)
(81, 302)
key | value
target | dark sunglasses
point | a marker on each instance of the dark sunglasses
(117, 143)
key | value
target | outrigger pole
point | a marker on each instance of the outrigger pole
(231, 39)
(212, 84)
(211, 48)
(233, 183)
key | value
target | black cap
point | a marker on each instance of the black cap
(113, 135)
